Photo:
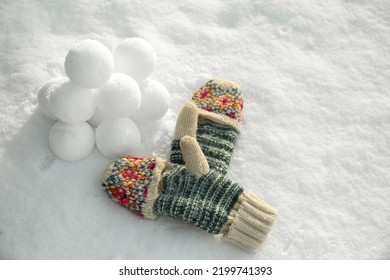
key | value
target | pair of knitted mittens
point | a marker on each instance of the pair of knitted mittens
(192, 186)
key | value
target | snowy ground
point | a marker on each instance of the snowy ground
(315, 142)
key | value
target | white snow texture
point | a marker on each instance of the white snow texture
(315, 141)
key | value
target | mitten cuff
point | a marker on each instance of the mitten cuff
(221, 119)
(249, 222)
(154, 190)
(187, 122)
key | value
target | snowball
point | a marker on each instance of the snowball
(117, 137)
(89, 64)
(120, 97)
(71, 103)
(136, 58)
(44, 93)
(154, 102)
(71, 141)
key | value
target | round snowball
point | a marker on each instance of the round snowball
(120, 97)
(44, 94)
(71, 142)
(71, 103)
(136, 58)
(154, 103)
(117, 137)
(89, 64)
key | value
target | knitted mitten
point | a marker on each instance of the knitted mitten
(193, 193)
(214, 118)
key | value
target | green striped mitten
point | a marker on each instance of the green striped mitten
(193, 193)
(214, 118)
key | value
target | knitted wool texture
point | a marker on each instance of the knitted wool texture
(152, 186)
(220, 106)
(127, 181)
(204, 201)
(217, 142)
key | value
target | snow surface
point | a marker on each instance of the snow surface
(315, 142)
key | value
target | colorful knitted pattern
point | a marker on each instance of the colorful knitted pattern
(214, 97)
(128, 182)
(149, 186)
(204, 201)
(216, 140)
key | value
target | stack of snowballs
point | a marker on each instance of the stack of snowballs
(104, 90)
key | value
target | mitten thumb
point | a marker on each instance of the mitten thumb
(193, 156)
(187, 121)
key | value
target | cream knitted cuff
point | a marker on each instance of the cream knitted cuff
(154, 190)
(221, 119)
(249, 222)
